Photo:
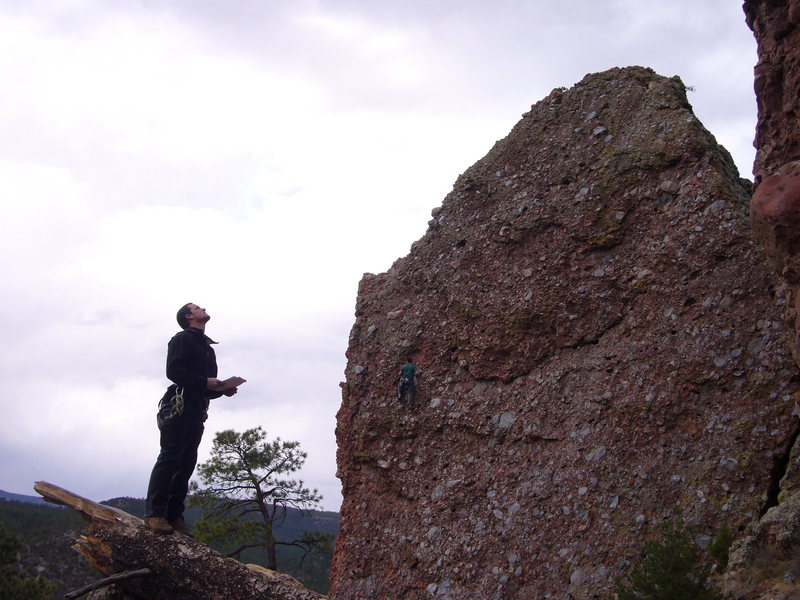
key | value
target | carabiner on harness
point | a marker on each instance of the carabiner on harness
(177, 403)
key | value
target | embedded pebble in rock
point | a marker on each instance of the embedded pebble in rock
(601, 341)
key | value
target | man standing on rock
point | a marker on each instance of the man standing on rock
(407, 384)
(192, 367)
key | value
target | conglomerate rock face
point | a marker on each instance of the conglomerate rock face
(776, 25)
(775, 207)
(602, 345)
(775, 216)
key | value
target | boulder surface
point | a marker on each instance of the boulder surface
(602, 346)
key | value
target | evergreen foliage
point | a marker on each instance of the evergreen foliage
(46, 534)
(720, 546)
(669, 568)
(14, 585)
(248, 493)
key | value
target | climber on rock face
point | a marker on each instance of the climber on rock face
(407, 384)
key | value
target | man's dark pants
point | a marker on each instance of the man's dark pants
(169, 481)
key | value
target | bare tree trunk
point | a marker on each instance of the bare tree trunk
(182, 568)
(272, 556)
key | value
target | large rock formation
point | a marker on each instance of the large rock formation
(776, 25)
(603, 344)
(776, 202)
(775, 214)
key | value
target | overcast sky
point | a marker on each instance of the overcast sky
(257, 157)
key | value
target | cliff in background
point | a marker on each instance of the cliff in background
(777, 82)
(775, 209)
(603, 343)
(765, 562)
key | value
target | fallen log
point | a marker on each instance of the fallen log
(180, 567)
(106, 582)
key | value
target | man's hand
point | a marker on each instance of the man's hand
(214, 384)
(231, 391)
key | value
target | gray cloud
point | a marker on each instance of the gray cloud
(258, 157)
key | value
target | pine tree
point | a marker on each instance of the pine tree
(13, 584)
(246, 494)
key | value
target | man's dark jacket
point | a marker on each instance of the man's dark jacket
(190, 362)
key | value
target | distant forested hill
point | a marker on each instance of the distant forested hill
(47, 533)
(21, 498)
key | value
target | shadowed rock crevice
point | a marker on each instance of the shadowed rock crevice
(779, 470)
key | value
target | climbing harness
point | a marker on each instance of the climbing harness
(177, 403)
